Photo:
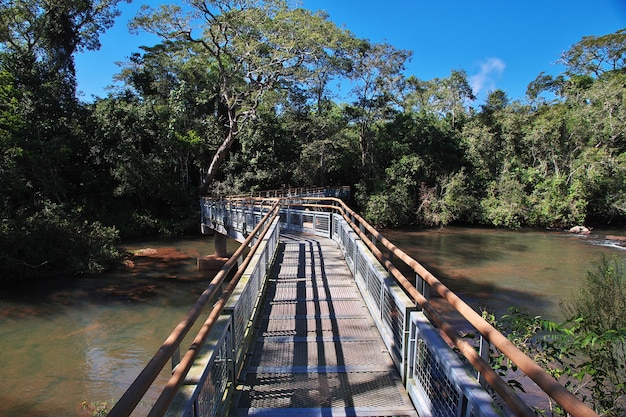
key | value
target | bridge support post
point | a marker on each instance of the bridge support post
(220, 245)
(220, 256)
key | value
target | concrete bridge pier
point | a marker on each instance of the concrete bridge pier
(215, 261)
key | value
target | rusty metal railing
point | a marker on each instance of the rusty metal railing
(370, 236)
(135, 393)
(428, 282)
(342, 192)
(384, 251)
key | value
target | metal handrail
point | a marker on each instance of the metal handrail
(288, 192)
(171, 388)
(237, 204)
(508, 396)
(538, 375)
(494, 380)
(133, 395)
(370, 236)
(547, 383)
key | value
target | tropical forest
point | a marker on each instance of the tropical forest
(241, 96)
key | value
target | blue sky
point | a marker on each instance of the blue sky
(501, 44)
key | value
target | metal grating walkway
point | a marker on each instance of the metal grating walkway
(317, 351)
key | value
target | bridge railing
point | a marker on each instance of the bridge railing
(209, 383)
(236, 217)
(406, 332)
(207, 372)
(342, 193)
(406, 316)
(432, 373)
(390, 257)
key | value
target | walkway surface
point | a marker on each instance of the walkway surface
(317, 352)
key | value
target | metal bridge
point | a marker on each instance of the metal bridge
(312, 316)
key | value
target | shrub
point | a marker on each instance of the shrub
(588, 351)
(54, 240)
(596, 331)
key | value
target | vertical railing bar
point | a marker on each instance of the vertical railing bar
(176, 358)
(483, 350)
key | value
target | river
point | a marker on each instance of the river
(494, 269)
(82, 341)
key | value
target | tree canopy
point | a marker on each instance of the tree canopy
(254, 47)
(242, 95)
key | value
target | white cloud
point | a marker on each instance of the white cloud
(490, 71)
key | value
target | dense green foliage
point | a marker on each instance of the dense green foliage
(241, 96)
(43, 147)
(587, 353)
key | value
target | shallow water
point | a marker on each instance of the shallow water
(86, 340)
(535, 270)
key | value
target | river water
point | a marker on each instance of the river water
(82, 341)
(493, 269)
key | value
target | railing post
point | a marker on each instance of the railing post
(231, 352)
(422, 286)
(175, 358)
(483, 351)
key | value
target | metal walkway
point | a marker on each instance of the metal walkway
(317, 351)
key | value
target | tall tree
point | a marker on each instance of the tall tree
(42, 230)
(11, 126)
(452, 95)
(256, 46)
(589, 59)
(183, 89)
(594, 55)
(50, 32)
(377, 75)
(38, 40)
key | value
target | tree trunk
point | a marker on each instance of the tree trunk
(363, 145)
(219, 157)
